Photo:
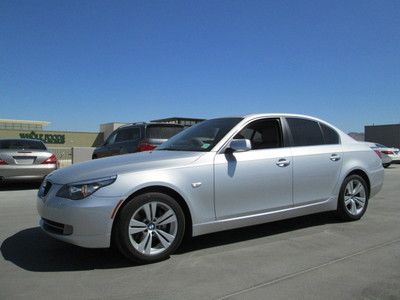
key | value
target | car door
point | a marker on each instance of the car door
(317, 160)
(257, 180)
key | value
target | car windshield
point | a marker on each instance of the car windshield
(200, 137)
(22, 144)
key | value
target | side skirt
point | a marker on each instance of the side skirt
(265, 217)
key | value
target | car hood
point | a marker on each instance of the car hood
(122, 164)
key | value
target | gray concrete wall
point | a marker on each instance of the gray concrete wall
(388, 135)
(80, 154)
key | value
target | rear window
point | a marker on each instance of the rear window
(330, 135)
(127, 134)
(305, 132)
(22, 144)
(162, 131)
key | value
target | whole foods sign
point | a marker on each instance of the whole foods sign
(47, 138)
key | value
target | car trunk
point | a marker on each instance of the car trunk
(23, 157)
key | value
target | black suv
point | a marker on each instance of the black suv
(136, 137)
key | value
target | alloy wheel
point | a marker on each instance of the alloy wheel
(354, 197)
(153, 228)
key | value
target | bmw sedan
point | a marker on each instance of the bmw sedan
(217, 175)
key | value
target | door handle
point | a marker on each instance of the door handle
(283, 162)
(334, 157)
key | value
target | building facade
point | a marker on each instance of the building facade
(388, 135)
(34, 130)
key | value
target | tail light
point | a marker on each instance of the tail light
(145, 147)
(378, 153)
(3, 162)
(387, 152)
(51, 160)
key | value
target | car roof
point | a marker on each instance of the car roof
(21, 139)
(145, 124)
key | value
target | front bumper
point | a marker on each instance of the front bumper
(86, 222)
(26, 172)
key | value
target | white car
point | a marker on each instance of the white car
(384, 153)
(219, 174)
(393, 153)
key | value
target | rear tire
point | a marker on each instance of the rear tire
(149, 228)
(386, 165)
(353, 198)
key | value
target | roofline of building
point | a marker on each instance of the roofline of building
(30, 122)
(375, 125)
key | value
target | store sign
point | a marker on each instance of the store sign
(44, 137)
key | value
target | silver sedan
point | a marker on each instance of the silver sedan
(25, 159)
(219, 174)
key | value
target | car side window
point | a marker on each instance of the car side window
(330, 136)
(263, 134)
(127, 134)
(111, 139)
(305, 132)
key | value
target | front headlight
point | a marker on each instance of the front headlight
(83, 189)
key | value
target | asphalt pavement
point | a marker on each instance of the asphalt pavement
(312, 257)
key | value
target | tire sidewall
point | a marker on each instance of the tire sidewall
(341, 205)
(122, 236)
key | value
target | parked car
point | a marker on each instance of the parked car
(216, 175)
(25, 159)
(393, 153)
(136, 137)
(383, 153)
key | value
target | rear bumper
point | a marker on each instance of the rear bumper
(395, 158)
(21, 172)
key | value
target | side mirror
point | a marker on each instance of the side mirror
(239, 145)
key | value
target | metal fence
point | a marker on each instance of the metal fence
(64, 155)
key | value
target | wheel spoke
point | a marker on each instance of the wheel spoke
(357, 189)
(153, 209)
(142, 245)
(136, 223)
(353, 209)
(349, 188)
(163, 240)
(147, 248)
(347, 200)
(359, 200)
(136, 226)
(147, 211)
(166, 236)
(166, 218)
(133, 230)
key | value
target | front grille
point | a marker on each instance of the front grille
(57, 228)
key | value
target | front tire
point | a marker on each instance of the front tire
(353, 198)
(149, 228)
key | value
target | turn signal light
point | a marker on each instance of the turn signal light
(51, 160)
